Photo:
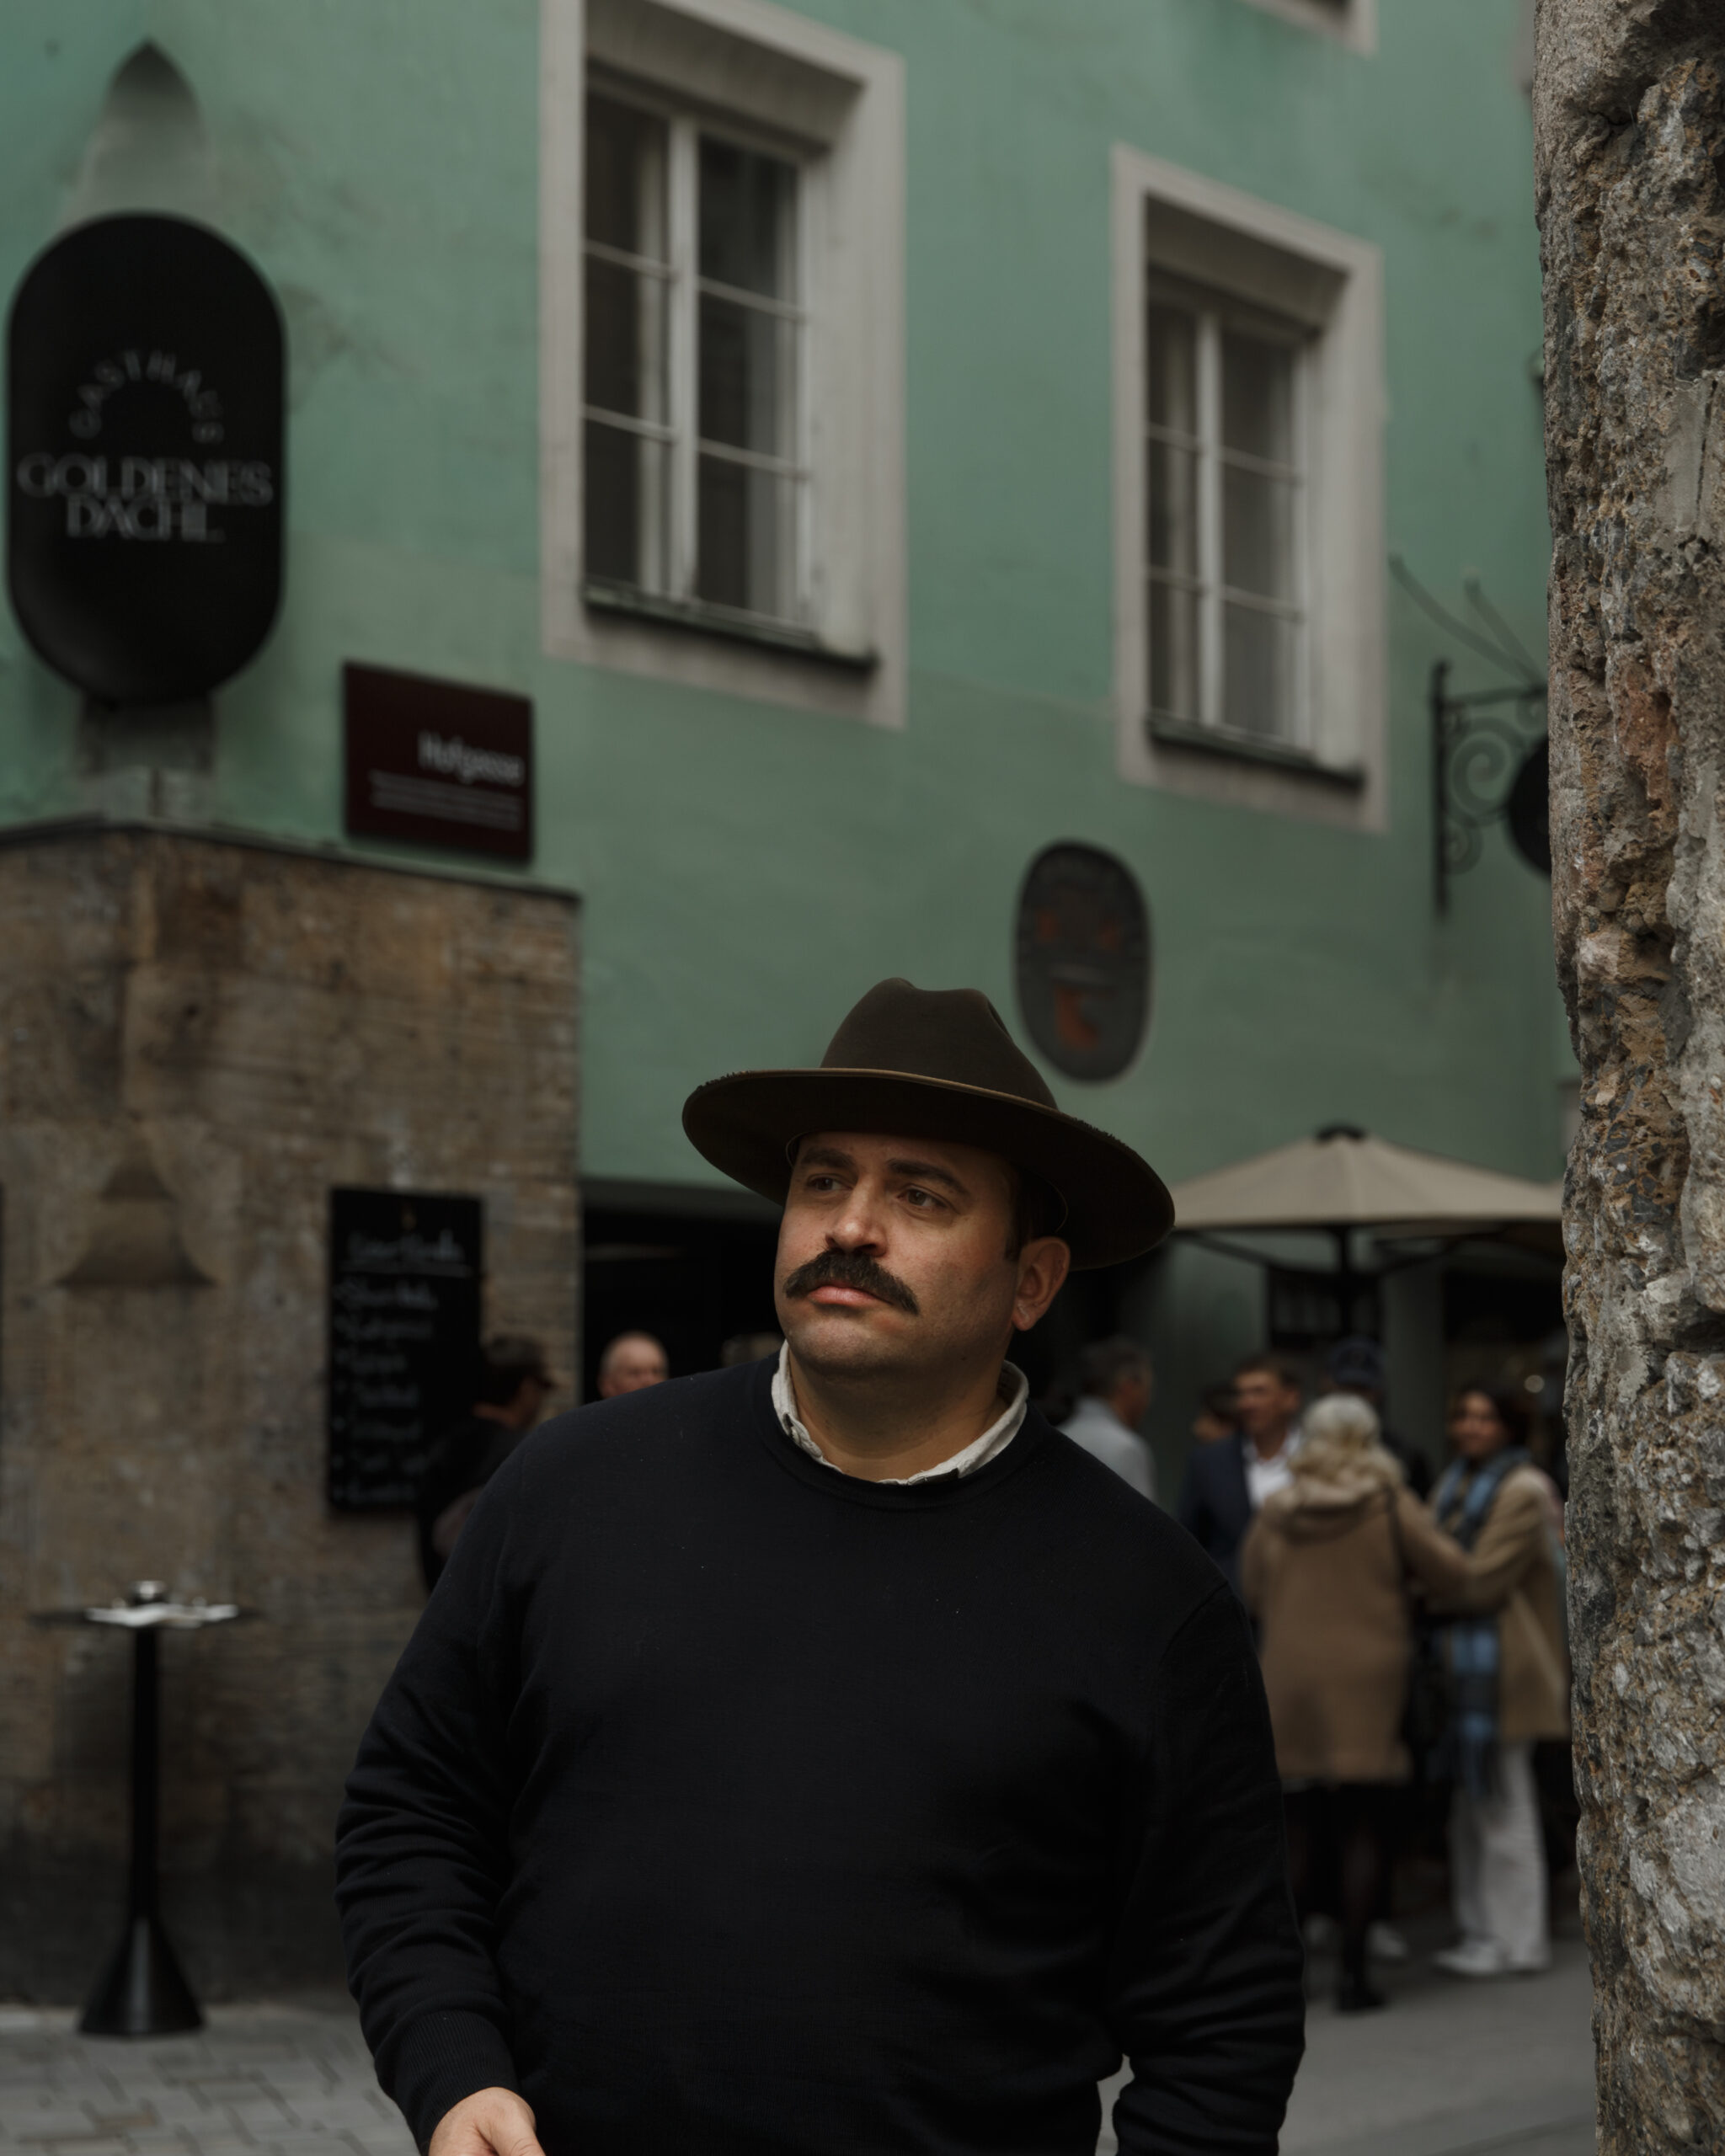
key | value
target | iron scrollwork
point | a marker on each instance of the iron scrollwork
(1490, 763)
(1488, 767)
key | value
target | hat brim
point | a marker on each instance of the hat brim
(1116, 1205)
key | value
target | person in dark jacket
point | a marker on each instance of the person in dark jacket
(510, 1393)
(1355, 1365)
(1227, 1482)
(825, 1754)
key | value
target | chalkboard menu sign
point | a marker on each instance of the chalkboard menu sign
(404, 1279)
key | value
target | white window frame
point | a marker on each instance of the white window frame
(685, 289)
(757, 73)
(1352, 23)
(1215, 312)
(1175, 224)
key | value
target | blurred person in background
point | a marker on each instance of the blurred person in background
(1325, 1568)
(1510, 1683)
(1114, 1388)
(630, 1363)
(1227, 1482)
(1217, 1415)
(1356, 1365)
(749, 1347)
(510, 1396)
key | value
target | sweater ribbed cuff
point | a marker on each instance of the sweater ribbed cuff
(441, 2059)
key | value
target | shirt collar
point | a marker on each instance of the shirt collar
(1015, 1399)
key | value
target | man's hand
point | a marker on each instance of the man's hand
(492, 2122)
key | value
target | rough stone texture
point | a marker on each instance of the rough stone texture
(197, 1039)
(1630, 130)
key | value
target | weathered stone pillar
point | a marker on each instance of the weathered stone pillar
(198, 1039)
(1631, 201)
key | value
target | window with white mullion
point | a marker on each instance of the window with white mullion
(696, 477)
(1210, 522)
(684, 385)
(751, 333)
(782, 307)
(630, 430)
(1224, 486)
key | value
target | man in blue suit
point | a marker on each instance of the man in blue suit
(1227, 1482)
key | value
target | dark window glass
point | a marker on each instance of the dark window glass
(624, 508)
(744, 527)
(625, 179)
(746, 220)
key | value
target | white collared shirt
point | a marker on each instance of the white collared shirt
(1096, 1426)
(1014, 1393)
(1264, 1477)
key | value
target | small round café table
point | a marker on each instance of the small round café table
(141, 1990)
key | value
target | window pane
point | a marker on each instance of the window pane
(624, 336)
(746, 539)
(1257, 672)
(1257, 533)
(1172, 364)
(625, 179)
(625, 524)
(746, 386)
(1172, 507)
(747, 220)
(1173, 652)
(1257, 397)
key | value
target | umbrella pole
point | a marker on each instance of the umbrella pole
(1346, 1280)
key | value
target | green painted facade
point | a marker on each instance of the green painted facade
(746, 870)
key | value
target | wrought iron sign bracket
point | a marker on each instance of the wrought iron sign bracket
(1488, 767)
(1489, 760)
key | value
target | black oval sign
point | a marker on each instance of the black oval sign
(144, 435)
(1083, 960)
(1529, 808)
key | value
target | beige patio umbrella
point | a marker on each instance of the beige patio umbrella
(1344, 1178)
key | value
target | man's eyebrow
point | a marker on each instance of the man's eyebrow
(824, 1156)
(927, 1171)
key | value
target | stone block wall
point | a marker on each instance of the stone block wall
(198, 1039)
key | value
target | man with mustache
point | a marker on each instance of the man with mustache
(825, 1757)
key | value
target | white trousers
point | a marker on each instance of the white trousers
(1498, 1863)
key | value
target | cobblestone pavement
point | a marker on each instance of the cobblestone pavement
(257, 2081)
(1449, 2070)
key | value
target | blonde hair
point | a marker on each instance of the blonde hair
(1340, 1440)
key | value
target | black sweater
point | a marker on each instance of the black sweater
(728, 1805)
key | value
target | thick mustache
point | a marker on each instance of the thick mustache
(850, 1268)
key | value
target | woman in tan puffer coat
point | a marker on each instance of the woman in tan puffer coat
(1326, 1566)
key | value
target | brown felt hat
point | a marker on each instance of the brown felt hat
(935, 1063)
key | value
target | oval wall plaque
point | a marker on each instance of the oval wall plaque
(144, 473)
(1529, 808)
(1083, 960)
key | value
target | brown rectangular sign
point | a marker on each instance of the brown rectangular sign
(438, 763)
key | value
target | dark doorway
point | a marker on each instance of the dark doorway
(694, 1280)
(1092, 1306)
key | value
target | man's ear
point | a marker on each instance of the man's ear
(1043, 1267)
